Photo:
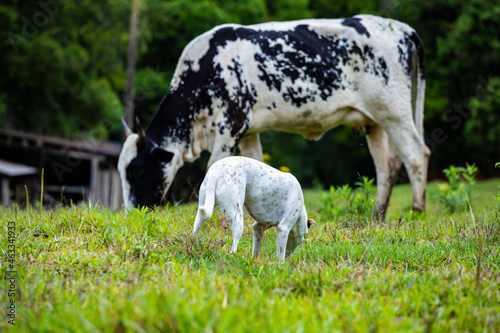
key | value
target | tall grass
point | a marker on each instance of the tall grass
(88, 269)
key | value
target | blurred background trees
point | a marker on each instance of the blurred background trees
(63, 72)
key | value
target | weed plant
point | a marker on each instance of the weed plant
(457, 193)
(345, 200)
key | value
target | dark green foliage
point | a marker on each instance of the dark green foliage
(61, 65)
(63, 72)
(483, 128)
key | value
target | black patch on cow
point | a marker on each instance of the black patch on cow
(371, 64)
(241, 101)
(314, 58)
(383, 69)
(406, 49)
(317, 60)
(145, 175)
(355, 22)
(309, 57)
(421, 52)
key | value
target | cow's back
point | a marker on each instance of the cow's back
(293, 74)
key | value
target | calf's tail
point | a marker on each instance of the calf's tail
(205, 207)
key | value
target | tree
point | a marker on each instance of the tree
(63, 71)
(59, 65)
(483, 128)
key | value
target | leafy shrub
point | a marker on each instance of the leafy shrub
(457, 193)
(344, 200)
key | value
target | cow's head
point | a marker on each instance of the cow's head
(143, 167)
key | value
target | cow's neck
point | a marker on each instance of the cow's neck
(180, 127)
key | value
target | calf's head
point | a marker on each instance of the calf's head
(143, 167)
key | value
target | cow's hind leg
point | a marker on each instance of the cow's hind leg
(415, 155)
(387, 165)
(250, 146)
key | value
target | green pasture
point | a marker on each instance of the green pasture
(88, 269)
(401, 198)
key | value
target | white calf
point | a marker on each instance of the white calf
(273, 198)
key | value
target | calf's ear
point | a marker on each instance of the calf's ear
(162, 154)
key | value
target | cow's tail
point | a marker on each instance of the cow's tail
(205, 208)
(418, 82)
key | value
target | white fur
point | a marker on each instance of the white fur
(273, 198)
(128, 153)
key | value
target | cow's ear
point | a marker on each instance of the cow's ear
(162, 154)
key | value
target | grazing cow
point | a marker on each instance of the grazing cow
(305, 77)
(273, 198)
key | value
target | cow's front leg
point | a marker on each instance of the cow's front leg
(223, 147)
(250, 146)
(387, 165)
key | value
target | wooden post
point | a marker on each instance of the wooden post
(106, 187)
(94, 170)
(132, 54)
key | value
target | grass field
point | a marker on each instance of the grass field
(87, 269)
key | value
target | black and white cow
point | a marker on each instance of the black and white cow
(304, 77)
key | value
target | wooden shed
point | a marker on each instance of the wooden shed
(84, 169)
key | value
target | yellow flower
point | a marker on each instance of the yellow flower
(411, 212)
(285, 169)
(266, 157)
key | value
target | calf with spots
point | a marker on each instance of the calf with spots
(273, 198)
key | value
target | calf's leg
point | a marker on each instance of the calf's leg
(294, 240)
(258, 234)
(237, 228)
